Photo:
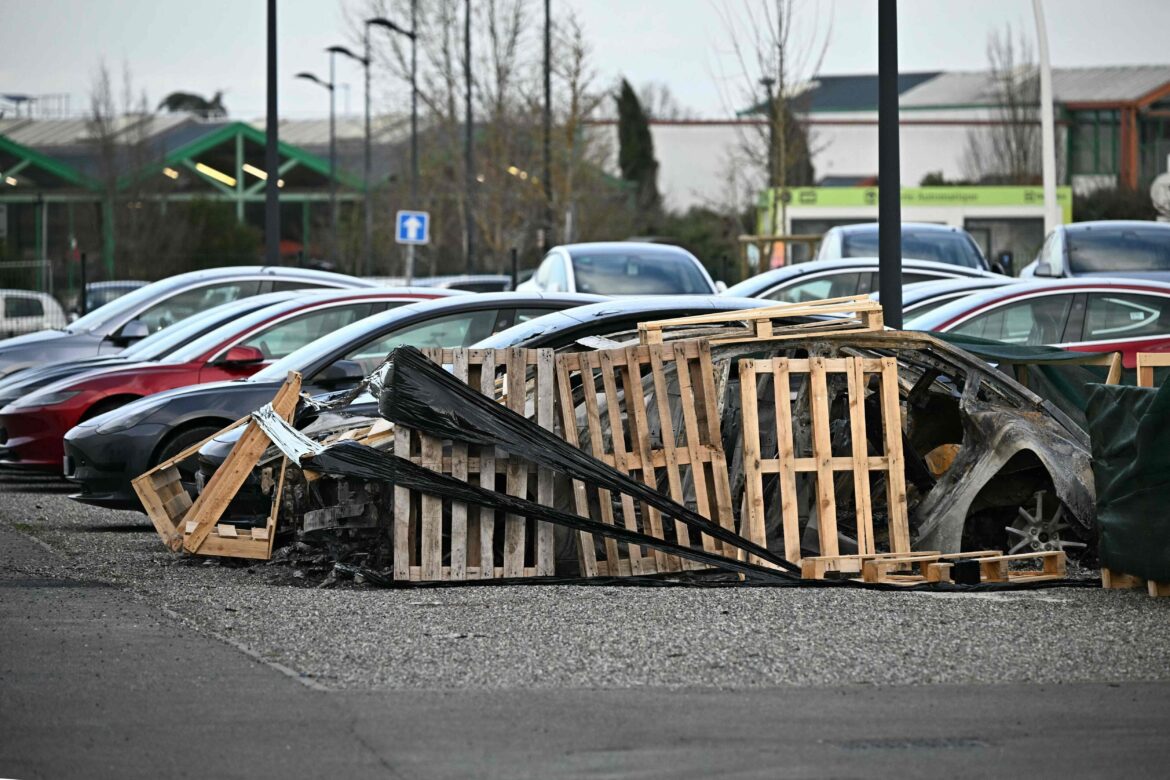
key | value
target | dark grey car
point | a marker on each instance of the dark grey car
(148, 309)
(105, 452)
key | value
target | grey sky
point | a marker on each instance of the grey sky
(51, 46)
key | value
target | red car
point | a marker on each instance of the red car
(32, 427)
(1082, 314)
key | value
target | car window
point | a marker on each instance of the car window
(454, 330)
(827, 286)
(542, 271)
(20, 306)
(557, 280)
(1116, 317)
(1033, 322)
(283, 285)
(938, 245)
(181, 306)
(524, 315)
(1105, 250)
(638, 272)
(279, 339)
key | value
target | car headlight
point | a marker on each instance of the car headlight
(121, 419)
(43, 399)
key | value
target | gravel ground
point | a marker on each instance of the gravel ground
(364, 638)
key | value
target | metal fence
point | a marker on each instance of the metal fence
(38, 294)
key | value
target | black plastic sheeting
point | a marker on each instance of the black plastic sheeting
(351, 459)
(356, 460)
(419, 394)
(1130, 431)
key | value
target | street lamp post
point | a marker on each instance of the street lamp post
(329, 85)
(412, 34)
(367, 216)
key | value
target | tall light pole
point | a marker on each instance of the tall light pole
(889, 167)
(1052, 214)
(271, 150)
(331, 86)
(412, 34)
(365, 63)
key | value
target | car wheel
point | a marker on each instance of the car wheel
(181, 441)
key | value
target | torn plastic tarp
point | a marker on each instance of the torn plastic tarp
(418, 393)
(352, 459)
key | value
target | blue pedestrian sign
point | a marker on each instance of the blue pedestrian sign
(413, 227)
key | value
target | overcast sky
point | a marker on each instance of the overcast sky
(54, 46)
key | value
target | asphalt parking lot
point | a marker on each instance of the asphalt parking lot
(101, 623)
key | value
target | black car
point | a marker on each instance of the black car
(105, 452)
(154, 347)
(148, 309)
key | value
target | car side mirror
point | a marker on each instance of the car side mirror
(133, 331)
(343, 372)
(241, 355)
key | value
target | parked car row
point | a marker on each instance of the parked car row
(142, 378)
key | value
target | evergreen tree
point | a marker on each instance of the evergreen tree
(636, 152)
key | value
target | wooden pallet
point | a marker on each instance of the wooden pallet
(822, 463)
(652, 413)
(194, 525)
(931, 566)
(855, 313)
(437, 539)
(1146, 363)
(1115, 580)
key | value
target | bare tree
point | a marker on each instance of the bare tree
(659, 102)
(1008, 150)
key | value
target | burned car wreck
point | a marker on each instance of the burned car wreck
(643, 457)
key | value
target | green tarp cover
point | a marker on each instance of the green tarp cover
(1130, 432)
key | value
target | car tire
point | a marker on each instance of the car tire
(181, 440)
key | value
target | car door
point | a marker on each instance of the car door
(1128, 322)
(1034, 321)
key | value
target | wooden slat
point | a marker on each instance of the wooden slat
(517, 480)
(458, 558)
(431, 514)
(589, 364)
(630, 371)
(899, 530)
(823, 452)
(669, 443)
(617, 439)
(545, 536)
(857, 432)
(695, 448)
(724, 515)
(227, 479)
(789, 512)
(402, 519)
(754, 526)
(487, 474)
(586, 554)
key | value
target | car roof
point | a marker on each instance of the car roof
(653, 307)
(1133, 224)
(1023, 287)
(924, 291)
(618, 247)
(768, 279)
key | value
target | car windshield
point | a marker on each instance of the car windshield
(1108, 250)
(638, 273)
(213, 338)
(937, 245)
(100, 296)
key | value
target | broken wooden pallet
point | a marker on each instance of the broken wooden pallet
(194, 525)
(931, 567)
(438, 539)
(650, 411)
(855, 313)
(822, 464)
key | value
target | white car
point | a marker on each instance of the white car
(620, 268)
(25, 311)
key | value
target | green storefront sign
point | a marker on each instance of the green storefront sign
(980, 197)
